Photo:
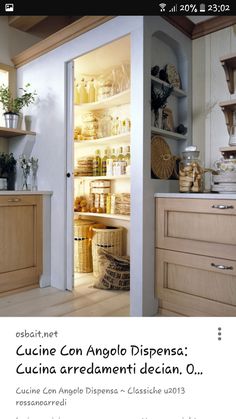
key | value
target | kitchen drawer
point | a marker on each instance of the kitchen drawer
(199, 226)
(195, 285)
(12, 200)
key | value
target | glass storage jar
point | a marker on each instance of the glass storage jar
(191, 172)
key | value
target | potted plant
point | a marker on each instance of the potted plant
(8, 169)
(12, 106)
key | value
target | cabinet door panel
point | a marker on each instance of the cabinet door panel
(17, 238)
(20, 241)
(194, 226)
(195, 282)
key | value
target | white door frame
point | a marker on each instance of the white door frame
(69, 115)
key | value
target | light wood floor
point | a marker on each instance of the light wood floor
(83, 301)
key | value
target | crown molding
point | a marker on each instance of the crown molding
(194, 31)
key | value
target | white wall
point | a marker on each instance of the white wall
(13, 41)
(47, 75)
(150, 186)
(210, 88)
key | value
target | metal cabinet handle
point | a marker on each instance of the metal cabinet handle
(14, 200)
(222, 266)
(223, 206)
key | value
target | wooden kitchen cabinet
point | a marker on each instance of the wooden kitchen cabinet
(21, 241)
(196, 256)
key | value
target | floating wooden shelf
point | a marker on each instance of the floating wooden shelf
(228, 108)
(10, 132)
(229, 64)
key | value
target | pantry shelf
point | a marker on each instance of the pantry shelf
(104, 215)
(176, 92)
(168, 134)
(121, 177)
(114, 139)
(116, 100)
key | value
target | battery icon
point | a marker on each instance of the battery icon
(202, 8)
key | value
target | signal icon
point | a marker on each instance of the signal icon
(162, 7)
(173, 9)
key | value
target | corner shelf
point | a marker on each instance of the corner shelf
(105, 215)
(114, 139)
(11, 132)
(228, 108)
(121, 98)
(229, 64)
(168, 134)
(177, 92)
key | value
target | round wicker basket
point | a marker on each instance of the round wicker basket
(162, 161)
(82, 246)
(109, 239)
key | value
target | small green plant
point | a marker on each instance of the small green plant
(14, 105)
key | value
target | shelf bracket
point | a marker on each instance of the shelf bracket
(229, 73)
(228, 116)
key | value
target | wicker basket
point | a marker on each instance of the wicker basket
(109, 239)
(82, 246)
(163, 162)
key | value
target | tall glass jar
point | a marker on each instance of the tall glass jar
(191, 172)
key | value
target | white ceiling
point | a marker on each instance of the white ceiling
(198, 19)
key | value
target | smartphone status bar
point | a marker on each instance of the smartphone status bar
(149, 7)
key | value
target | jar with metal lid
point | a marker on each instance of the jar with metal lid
(191, 172)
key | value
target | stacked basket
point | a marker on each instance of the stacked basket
(109, 239)
(82, 248)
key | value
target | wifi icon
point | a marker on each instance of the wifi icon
(162, 7)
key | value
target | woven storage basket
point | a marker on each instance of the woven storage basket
(163, 162)
(82, 246)
(109, 239)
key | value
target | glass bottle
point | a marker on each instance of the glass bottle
(127, 160)
(83, 94)
(97, 164)
(91, 91)
(104, 163)
(191, 172)
(117, 125)
(76, 93)
(121, 164)
(34, 171)
(114, 162)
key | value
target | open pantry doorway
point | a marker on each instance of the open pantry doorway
(100, 180)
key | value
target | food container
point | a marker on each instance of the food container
(191, 172)
(226, 165)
